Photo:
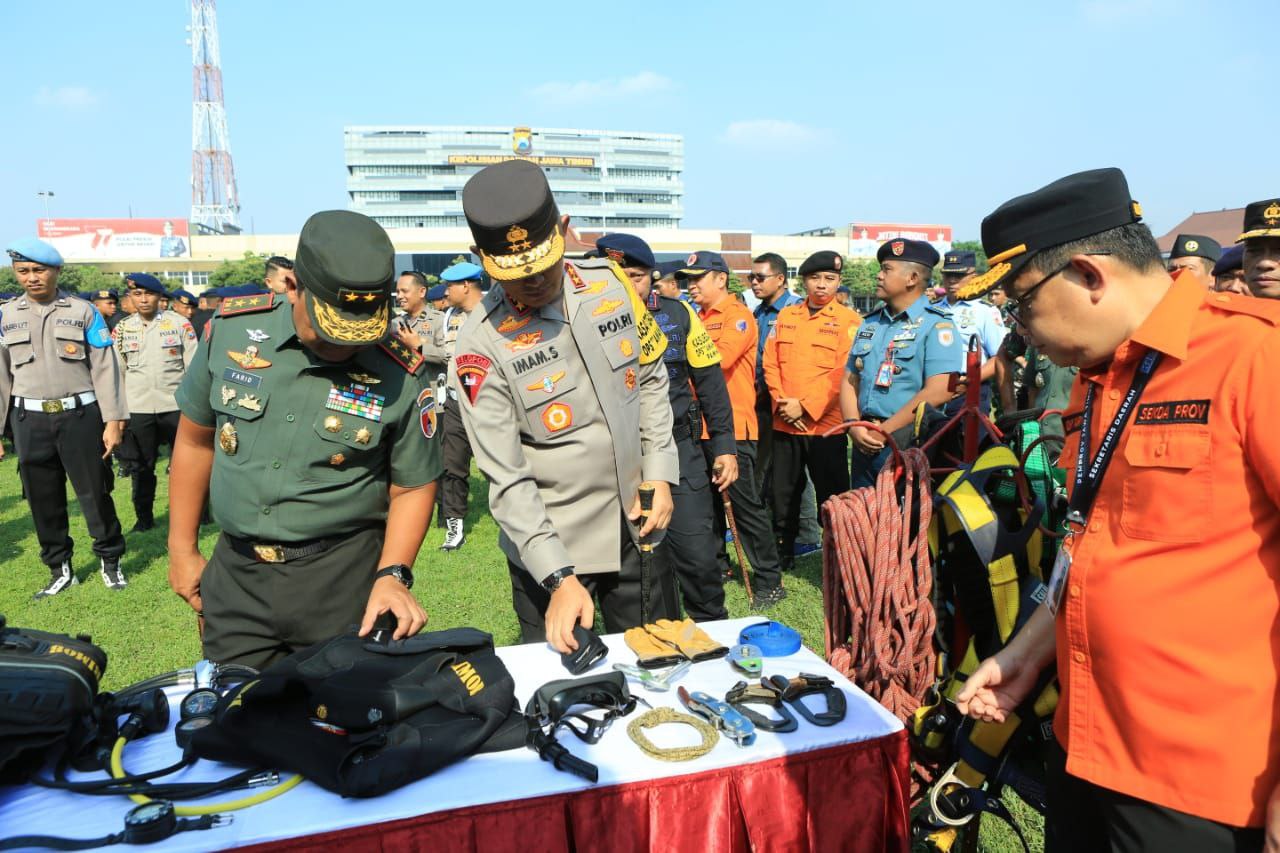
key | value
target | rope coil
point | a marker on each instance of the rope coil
(662, 716)
(876, 583)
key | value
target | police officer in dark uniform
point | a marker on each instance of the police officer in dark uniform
(301, 422)
(61, 388)
(205, 310)
(691, 544)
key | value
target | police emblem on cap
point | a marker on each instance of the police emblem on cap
(614, 255)
(518, 238)
(1272, 213)
(692, 259)
(836, 262)
(1192, 245)
(897, 247)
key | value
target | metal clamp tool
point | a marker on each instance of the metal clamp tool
(733, 725)
(657, 680)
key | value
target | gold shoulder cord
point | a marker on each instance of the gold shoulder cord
(661, 716)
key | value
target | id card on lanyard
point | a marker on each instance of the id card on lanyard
(1089, 474)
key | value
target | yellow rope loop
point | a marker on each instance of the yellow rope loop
(661, 716)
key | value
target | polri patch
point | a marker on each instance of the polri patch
(472, 369)
(240, 377)
(1173, 412)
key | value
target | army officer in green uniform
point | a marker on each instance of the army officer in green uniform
(302, 422)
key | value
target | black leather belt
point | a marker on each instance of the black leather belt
(267, 552)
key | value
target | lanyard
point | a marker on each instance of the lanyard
(1089, 474)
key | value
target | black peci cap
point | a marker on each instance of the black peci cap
(514, 219)
(346, 263)
(1195, 246)
(1070, 208)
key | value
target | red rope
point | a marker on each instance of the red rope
(876, 584)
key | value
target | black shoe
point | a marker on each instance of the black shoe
(60, 578)
(111, 574)
(766, 598)
(787, 562)
(143, 525)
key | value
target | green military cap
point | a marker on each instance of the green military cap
(1068, 209)
(346, 264)
(1195, 246)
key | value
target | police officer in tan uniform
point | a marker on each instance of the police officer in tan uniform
(565, 401)
(154, 348)
(60, 387)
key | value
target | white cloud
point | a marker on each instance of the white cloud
(65, 97)
(588, 91)
(772, 132)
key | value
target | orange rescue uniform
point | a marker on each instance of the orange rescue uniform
(804, 357)
(731, 326)
(1168, 636)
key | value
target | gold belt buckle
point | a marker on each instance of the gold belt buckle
(269, 553)
(51, 407)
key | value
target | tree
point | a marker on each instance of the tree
(74, 278)
(735, 283)
(860, 277)
(974, 246)
(247, 270)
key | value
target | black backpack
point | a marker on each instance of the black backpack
(360, 718)
(48, 694)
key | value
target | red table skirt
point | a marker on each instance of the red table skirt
(844, 798)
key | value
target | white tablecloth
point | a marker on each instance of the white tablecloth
(480, 779)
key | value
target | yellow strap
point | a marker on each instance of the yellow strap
(1002, 577)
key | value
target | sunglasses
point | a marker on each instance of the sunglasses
(760, 277)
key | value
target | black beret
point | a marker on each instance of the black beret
(1195, 246)
(514, 219)
(1070, 208)
(915, 251)
(824, 261)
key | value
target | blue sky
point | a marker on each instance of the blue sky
(795, 115)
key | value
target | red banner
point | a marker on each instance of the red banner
(878, 232)
(116, 239)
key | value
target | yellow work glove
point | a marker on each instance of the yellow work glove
(651, 653)
(691, 640)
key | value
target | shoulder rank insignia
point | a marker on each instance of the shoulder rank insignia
(246, 304)
(402, 354)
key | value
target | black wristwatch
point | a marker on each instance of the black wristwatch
(552, 581)
(400, 572)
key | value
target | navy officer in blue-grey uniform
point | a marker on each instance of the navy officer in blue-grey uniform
(975, 320)
(61, 388)
(697, 390)
(903, 355)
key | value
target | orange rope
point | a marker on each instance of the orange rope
(876, 585)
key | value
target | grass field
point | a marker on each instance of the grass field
(146, 629)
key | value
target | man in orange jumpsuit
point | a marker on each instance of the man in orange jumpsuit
(804, 359)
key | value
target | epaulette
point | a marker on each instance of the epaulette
(402, 354)
(593, 282)
(940, 308)
(246, 304)
(1263, 309)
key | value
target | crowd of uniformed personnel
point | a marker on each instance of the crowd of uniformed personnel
(613, 401)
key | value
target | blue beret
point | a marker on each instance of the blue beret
(142, 281)
(667, 268)
(184, 296)
(35, 251)
(627, 250)
(465, 271)
(435, 293)
(1232, 259)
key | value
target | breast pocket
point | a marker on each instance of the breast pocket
(343, 444)
(239, 414)
(1168, 493)
(71, 346)
(18, 342)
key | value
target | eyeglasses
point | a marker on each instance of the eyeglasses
(1017, 305)
(760, 277)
